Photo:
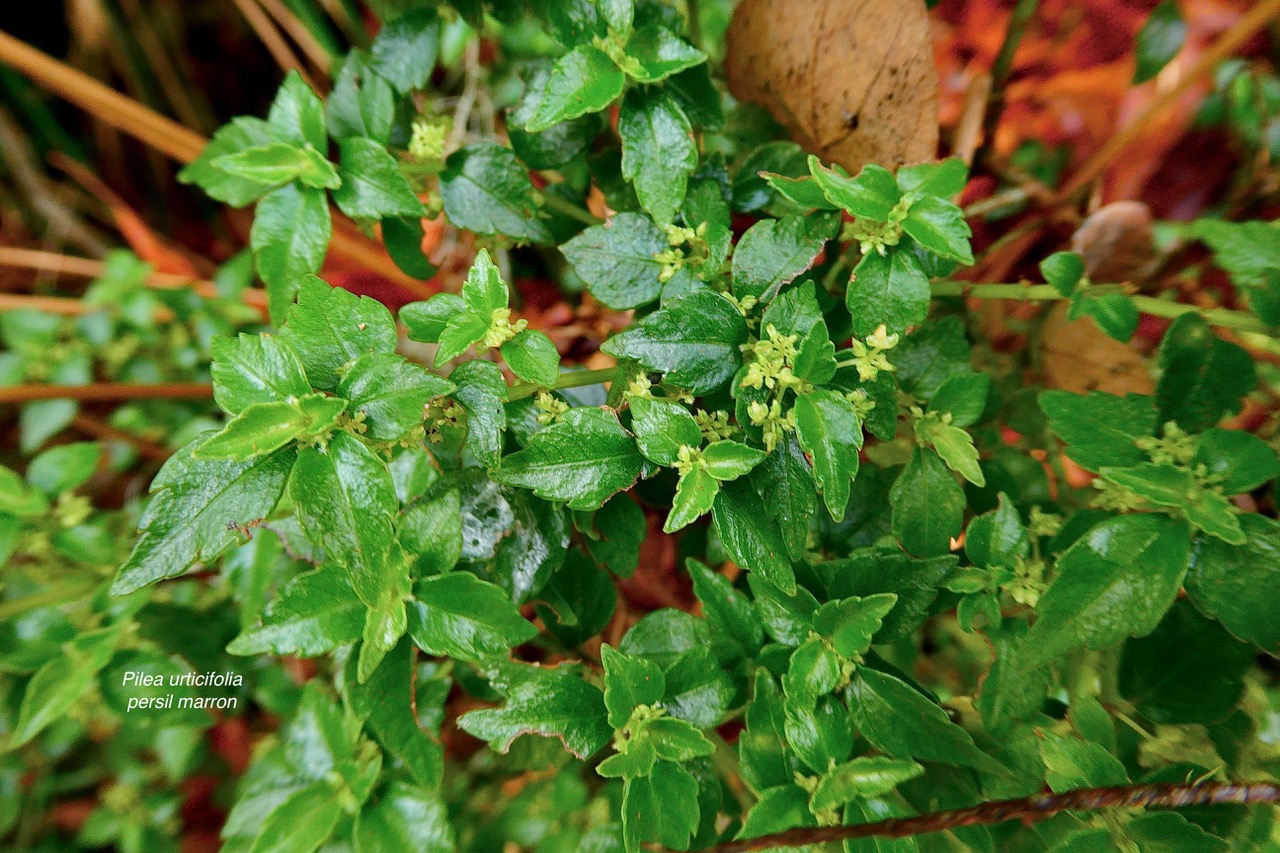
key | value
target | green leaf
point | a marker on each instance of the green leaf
(659, 53)
(584, 80)
(693, 340)
(1100, 429)
(944, 179)
(728, 460)
(1063, 270)
(804, 191)
(729, 611)
(390, 392)
(404, 53)
(618, 260)
(198, 510)
(677, 740)
(619, 528)
(485, 190)
(484, 290)
(403, 236)
(902, 723)
(219, 184)
(427, 320)
(290, 237)
(1166, 832)
(280, 163)
(1159, 40)
(251, 369)
(662, 427)
(533, 358)
(955, 447)
(266, 427)
(458, 615)
(658, 151)
(1239, 460)
(405, 818)
(772, 252)
(872, 194)
(695, 492)
(851, 623)
(661, 807)
(582, 459)
(361, 103)
(813, 672)
(372, 184)
(301, 823)
(1115, 313)
(778, 809)
(1072, 763)
(345, 502)
(56, 685)
(297, 113)
(1116, 581)
(330, 328)
(482, 390)
(861, 778)
(1238, 584)
(998, 539)
(314, 614)
(1246, 250)
(831, 433)
(752, 543)
(546, 702)
(59, 469)
(872, 572)
(939, 226)
(1204, 377)
(1189, 670)
(629, 682)
(928, 505)
(963, 396)
(892, 290)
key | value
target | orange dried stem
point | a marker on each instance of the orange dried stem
(107, 391)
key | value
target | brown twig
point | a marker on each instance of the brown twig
(271, 38)
(1027, 809)
(1256, 19)
(1002, 69)
(90, 268)
(99, 391)
(61, 305)
(105, 432)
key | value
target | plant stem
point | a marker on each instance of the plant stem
(570, 209)
(1222, 317)
(99, 391)
(1027, 809)
(1002, 68)
(571, 379)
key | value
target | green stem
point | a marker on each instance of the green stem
(1155, 306)
(570, 209)
(571, 379)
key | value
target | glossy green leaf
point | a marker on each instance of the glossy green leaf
(485, 190)
(658, 151)
(582, 460)
(390, 393)
(253, 369)
(693, 340)
(372, 184)
(1238, 584)
(315, 613)
(1116, 581)
(198, 510)
(533, 358)
(1159, 40)
(582, 81)
(831, 433)
(330, 328)
(404, 53)
(928, 505)
(458, 615)
(544, 702)
(891, 289)
(618, 261)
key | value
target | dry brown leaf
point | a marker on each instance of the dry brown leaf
(852, 80)
(1078, 356)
